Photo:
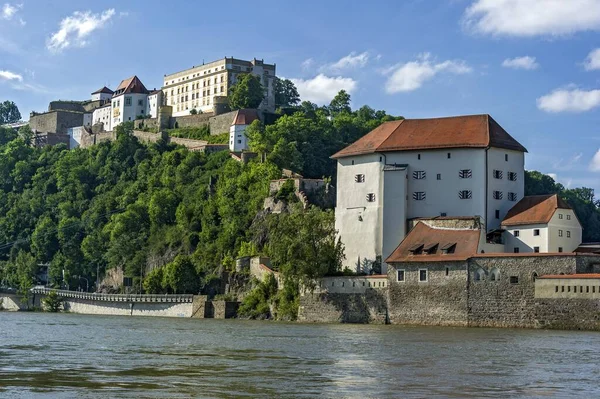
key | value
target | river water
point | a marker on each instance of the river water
(76, 356)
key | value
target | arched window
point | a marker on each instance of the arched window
(534, 276)
(479, 275)
(495, 274)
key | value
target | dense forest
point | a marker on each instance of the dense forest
(173, 220)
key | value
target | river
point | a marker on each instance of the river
(75, 356)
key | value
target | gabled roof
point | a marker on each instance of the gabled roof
(534, 209)
(132, 85)
(472, 131)
(464, 243)
(104, 90)
(245, 117)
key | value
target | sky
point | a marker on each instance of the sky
(533, 65)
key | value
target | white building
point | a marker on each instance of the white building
(237, 132)
(103, 115)
(541, 223)
(200, 86)
(129, 101)
(103, 94)
(456, 166)
(155, 99)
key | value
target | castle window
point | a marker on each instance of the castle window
(494, 274)
(516, 250)
(465, 173)
(506, 157)
(560, 249)
(512, 176)
(497, 174)
(560, 233)
(568, 217)
(514, 279)
(556, 288)
(562, 288)
(400, 275)
(127, 101)
(141, 103)
(568, 234)
(447, 271)
(479, 275)
(536, 249)
(360, 178)
(419, 195)
(423, 275)
(418, 156)
(371, 197)
(512, 196)
(517, 232)
(560, 215)
(536, 232)
(497, 195)
(419, 174)
(534, 276)
(497, 214)
(464, 194)
(439, 176)
(449, 155)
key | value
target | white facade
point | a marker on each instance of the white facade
(154, 103)
(562, 234)
(75, 134)
(101, 96)
(377, 193)
(87, 119)
(237, 138)
(103, 115)
(127, 107)
(201, 86)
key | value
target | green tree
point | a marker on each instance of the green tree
(340, 103)
(9, 113)
(286, 93)
(26, 134)
(180, 276)
(53, 302)
(247, 92)
(153, 282)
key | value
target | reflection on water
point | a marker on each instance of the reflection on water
(75, 356)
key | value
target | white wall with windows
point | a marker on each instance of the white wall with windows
(526, 238)
(153, 104)
(506, 183)
(237, 138)
(103, 115)
(127, 107)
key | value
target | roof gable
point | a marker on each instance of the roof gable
(534, 209)
(472, 131)
(104, 90)
(245, 116)
(429, 244)
(132, 85)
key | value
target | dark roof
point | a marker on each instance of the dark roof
(105, 90)
(245, 117)
(534, 209)
(155, 92)
(132, 85)
(472, 131)
(466, 243)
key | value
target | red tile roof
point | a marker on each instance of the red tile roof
(105, 90)
(466, 243)
(245, 117)
(534, 209)
(473, 131)
(132, 85)
(572, 276)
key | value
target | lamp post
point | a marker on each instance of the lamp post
(87, 283)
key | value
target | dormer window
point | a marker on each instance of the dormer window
(430, 249)
(416, 249)
(448, 248)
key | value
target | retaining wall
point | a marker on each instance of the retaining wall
(85, 306)
(369, 307)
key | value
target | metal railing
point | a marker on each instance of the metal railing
(183, 298)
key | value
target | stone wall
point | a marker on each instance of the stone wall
(55, 121)
(369, 307)
(45, 139)
(221, 123)
(84, 306)
(190, 144)
(145, 123)
(11, 302)
(442, 300)
(225, 309)
(76, 106)
(190, 120)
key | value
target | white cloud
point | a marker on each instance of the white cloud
(9, 10)
(412, 75)
(8, 75)
(532, 17)
(76, 28)
(351, 61)
(321, 89)
(525, 62)
(595, 164)
(592, 62)
(307, 63)
(569, 100)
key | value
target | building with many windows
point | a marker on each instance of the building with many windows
(201, 86)
(422, 168)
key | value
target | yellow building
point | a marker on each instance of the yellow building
(200, 86)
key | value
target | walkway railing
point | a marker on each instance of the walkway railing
(184, 298)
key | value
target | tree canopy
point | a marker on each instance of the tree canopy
(286, 93)
(247, 92)
(9, 113)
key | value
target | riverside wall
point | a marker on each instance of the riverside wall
(84, 306)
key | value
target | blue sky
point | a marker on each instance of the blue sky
(531, 64)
